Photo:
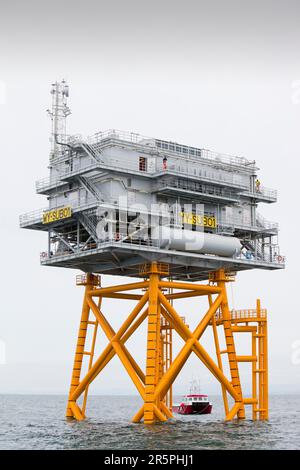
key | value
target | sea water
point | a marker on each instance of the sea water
(38, 422)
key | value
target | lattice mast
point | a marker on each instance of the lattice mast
(58, 114)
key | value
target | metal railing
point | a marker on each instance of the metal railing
(88, 279)
(161, 268)
(168, 146)
(239, 222)
(264, 223)
(266, 257)
(268, 192)
(36, 215)
(195, 186)
(223, 224)
(48, 183)
(263, 192)
(243, 314)
(116, 238)
(113, 136)
(166, 325)
(191, 154)
(114, 163)
(89, 165)
(113, 239)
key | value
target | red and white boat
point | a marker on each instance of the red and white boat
(193, 404)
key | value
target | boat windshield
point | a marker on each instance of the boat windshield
(195, 399)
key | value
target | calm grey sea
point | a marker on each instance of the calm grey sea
(37, 422)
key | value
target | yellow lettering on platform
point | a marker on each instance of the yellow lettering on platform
(197, 219)
(57, 214)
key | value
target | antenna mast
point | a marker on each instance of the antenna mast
(59, 112)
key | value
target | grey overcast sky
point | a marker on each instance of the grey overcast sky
(214, 74)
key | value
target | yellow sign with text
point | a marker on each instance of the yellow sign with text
(57, 214)
(197, 219)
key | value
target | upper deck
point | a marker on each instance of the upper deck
(222, 176)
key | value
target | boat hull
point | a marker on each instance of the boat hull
(193, 409)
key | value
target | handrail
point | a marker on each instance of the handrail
(243, 314)
(89, 165)
(116, 238)
(233, 222)
(36, 215)
(263, 191)
(238, 222)
(196, 187)
(261, 221)
(48, 182)
(169, 146)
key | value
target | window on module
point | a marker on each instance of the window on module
(142, 163)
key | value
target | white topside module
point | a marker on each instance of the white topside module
(118, 199)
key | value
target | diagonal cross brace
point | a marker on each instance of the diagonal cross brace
(115, 346)
(125, 357)
(191, 342)
(185, 333)
(191, 339)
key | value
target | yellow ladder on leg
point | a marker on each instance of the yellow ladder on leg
(73, 410)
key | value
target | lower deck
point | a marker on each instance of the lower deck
(124, 259)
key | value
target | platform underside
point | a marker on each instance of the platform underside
(121, 259)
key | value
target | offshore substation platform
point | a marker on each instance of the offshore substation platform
(171, 215)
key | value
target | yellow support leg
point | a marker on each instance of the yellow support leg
(72, 410)
(254, 378)
(219, 359)
(153, 343)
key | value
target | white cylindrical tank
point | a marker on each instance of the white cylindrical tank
(196, 242)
